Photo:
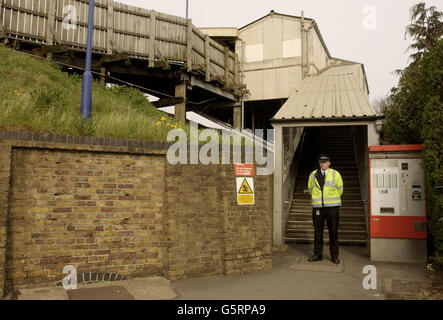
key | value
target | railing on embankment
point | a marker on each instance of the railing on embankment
(119, 28)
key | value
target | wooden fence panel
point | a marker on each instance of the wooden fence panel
(171, 37)
(198, 45)
(131, 30)
(23, 20)
(39, 20)
(139, 32)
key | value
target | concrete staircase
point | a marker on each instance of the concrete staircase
(336, 141)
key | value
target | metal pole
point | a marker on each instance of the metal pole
(242, 127)
(243, 80)
(187, 6)
(87, 75)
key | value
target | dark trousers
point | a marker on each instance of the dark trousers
(330, 214)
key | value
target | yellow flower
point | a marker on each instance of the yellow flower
(157, 123)
(162, 118)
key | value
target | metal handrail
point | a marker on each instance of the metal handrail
(294, 164)
(363, 192)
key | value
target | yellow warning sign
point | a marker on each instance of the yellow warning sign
(245, 191)
(245, 199)
(245, 188)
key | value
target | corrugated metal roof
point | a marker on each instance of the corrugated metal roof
(355, 69)
(335, 93)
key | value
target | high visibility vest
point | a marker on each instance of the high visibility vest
(332, 190)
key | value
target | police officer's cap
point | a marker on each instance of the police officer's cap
(325, 157)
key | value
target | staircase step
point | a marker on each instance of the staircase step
(302, 192)
(349, 178)
(342, 232)
(349, 186)
(345, 196)
(347, 217)
(325, 241)
(307, 224)
(342, 210)
(298, 205)
(341, 236)
(347, 213)
(345, 202)
(347, 181)
(349, 189)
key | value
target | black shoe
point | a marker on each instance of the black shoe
(335, 260)
(315, 258)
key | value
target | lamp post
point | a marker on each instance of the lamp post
(187, 6)
(87, 75)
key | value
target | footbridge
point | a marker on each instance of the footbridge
(165, 54)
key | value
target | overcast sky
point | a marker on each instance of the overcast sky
(341, 22)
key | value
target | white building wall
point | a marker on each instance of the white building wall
(272, 53)
(271, 49)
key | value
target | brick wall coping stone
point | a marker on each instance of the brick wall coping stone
(87, 143)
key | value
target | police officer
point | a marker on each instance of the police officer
(325, 187)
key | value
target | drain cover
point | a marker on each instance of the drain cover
(101, 293)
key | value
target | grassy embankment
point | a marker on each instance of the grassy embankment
(36, 95)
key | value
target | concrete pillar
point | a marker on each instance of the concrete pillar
(278, 226)
(103, 75)
(373, 135)
(180, 108)
(237, 121)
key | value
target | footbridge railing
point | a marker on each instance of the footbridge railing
(139, 33)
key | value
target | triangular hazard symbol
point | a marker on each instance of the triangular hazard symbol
(245, 188)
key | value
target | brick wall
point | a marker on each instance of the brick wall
(97, 211)
(115, 205)
(248, 229)
(194, 220)
(207, 231)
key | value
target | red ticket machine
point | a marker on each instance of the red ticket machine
(397, 204)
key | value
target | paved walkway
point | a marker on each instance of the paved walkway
(153, 288)
(283, 281)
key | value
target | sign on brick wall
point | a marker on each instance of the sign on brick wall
(245, 191)
(244, 169)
